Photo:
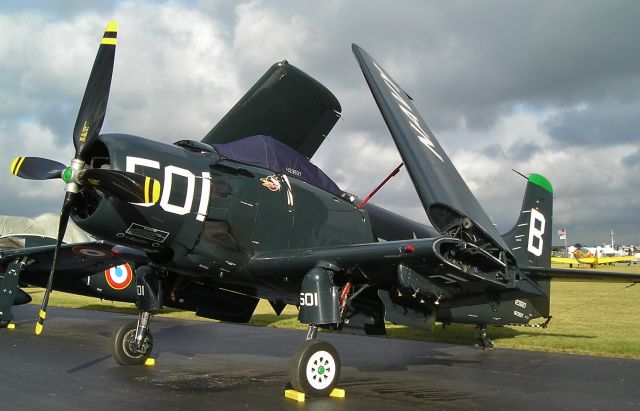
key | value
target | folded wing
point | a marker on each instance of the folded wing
(450, 205)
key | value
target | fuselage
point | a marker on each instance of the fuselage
(214, 214)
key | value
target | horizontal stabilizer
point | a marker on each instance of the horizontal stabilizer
(450, 205)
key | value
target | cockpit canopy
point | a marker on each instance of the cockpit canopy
(267, 152)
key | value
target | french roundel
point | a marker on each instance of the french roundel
(119, 277)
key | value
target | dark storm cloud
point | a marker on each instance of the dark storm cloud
(472, 62)
(55, 118)
(606, 122)
(493, 151)
(632, 160)
(518, 152)
(484, 76)
(523, 151)
(60, 9)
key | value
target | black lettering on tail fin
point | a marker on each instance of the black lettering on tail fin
(530, 238)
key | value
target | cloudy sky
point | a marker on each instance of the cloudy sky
(551, 87)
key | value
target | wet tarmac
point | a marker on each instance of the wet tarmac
(231, 367)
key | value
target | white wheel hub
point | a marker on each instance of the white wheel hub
(321, 370)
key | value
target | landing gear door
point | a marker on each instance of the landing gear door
(319, 298)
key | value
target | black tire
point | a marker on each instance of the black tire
(123, 349)
(315, 368)
(4, 323)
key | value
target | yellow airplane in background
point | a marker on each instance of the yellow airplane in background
(584, 256)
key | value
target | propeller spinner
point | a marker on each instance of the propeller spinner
(126, 186)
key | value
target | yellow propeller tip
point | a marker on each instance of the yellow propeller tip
(38, 329)
(155, 191)
(151, 190)
(112, 26)
(15, 165)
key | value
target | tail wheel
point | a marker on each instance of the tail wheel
(315, 368)
(123, 347)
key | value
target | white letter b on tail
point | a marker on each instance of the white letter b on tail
(535, 234)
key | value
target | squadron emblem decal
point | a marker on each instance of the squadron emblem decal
(271, 182)
(119, 277)
(85, 132)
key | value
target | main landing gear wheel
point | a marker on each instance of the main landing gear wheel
(4, 323)
(315, 368)
(483, 340)
(123, 347)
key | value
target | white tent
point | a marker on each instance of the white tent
(45, 225)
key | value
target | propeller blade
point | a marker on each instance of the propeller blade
(129, 187)
(87, 127)
(36, 168)
(62, 228)
(96, 95)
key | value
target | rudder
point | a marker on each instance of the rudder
(530, 238)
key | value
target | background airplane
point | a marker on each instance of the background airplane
(593, 256)
(20, 233)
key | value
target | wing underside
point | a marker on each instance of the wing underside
(445, 262)
(74, 260)
(286, 104)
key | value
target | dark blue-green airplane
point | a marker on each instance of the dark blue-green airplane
(212, 226)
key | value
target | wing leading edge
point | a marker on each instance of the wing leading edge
(74, 260)
(439, 258)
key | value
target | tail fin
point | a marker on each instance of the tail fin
(530, 238)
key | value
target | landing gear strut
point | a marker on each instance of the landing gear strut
(127, 349)
(132, 343)
(483, 340)
(315, 365)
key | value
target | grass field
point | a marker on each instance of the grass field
(593, 318)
